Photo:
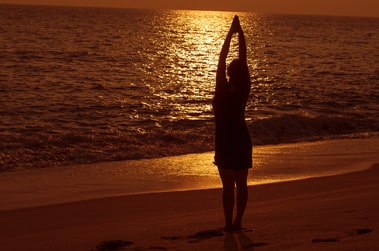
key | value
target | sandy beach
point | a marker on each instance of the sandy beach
(336, 212)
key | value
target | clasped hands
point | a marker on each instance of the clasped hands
(236, 26)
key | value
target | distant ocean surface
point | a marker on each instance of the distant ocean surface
(88, 85)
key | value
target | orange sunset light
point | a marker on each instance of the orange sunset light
(319, 7)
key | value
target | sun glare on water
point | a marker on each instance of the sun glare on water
(199, 36)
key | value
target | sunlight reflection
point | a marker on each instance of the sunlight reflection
(271, 163)
(189, 62)
(194, 56)
(200, 35)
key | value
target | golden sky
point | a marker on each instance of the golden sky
(323, 7)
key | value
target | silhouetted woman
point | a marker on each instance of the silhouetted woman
(233, 148)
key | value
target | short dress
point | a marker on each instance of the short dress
(233, 147)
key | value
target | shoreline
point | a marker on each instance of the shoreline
(272, 164)
(29, 158)
(325, 213)
(308, 140)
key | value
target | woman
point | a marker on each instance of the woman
(233, 148)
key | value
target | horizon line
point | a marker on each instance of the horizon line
(190, 9)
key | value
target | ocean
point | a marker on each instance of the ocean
(90, 85)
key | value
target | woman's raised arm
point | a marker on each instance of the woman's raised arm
(221, 68)
(242, 45)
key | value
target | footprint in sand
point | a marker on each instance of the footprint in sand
(113, 245)
(360, 231)
(203, 235)
(356, 232)
(199, 236)
(325, 240)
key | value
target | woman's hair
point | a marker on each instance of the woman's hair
(237, 69)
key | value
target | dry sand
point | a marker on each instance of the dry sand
(328, 213)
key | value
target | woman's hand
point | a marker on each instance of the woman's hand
(236, 26)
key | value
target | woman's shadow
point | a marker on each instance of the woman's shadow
(240, 242)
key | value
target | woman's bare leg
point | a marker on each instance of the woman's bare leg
(228, 183)
(242, 195)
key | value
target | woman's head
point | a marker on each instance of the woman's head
(237, 71)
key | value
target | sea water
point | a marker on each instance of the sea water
(90, 85)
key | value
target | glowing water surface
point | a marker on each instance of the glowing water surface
(90, 85)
